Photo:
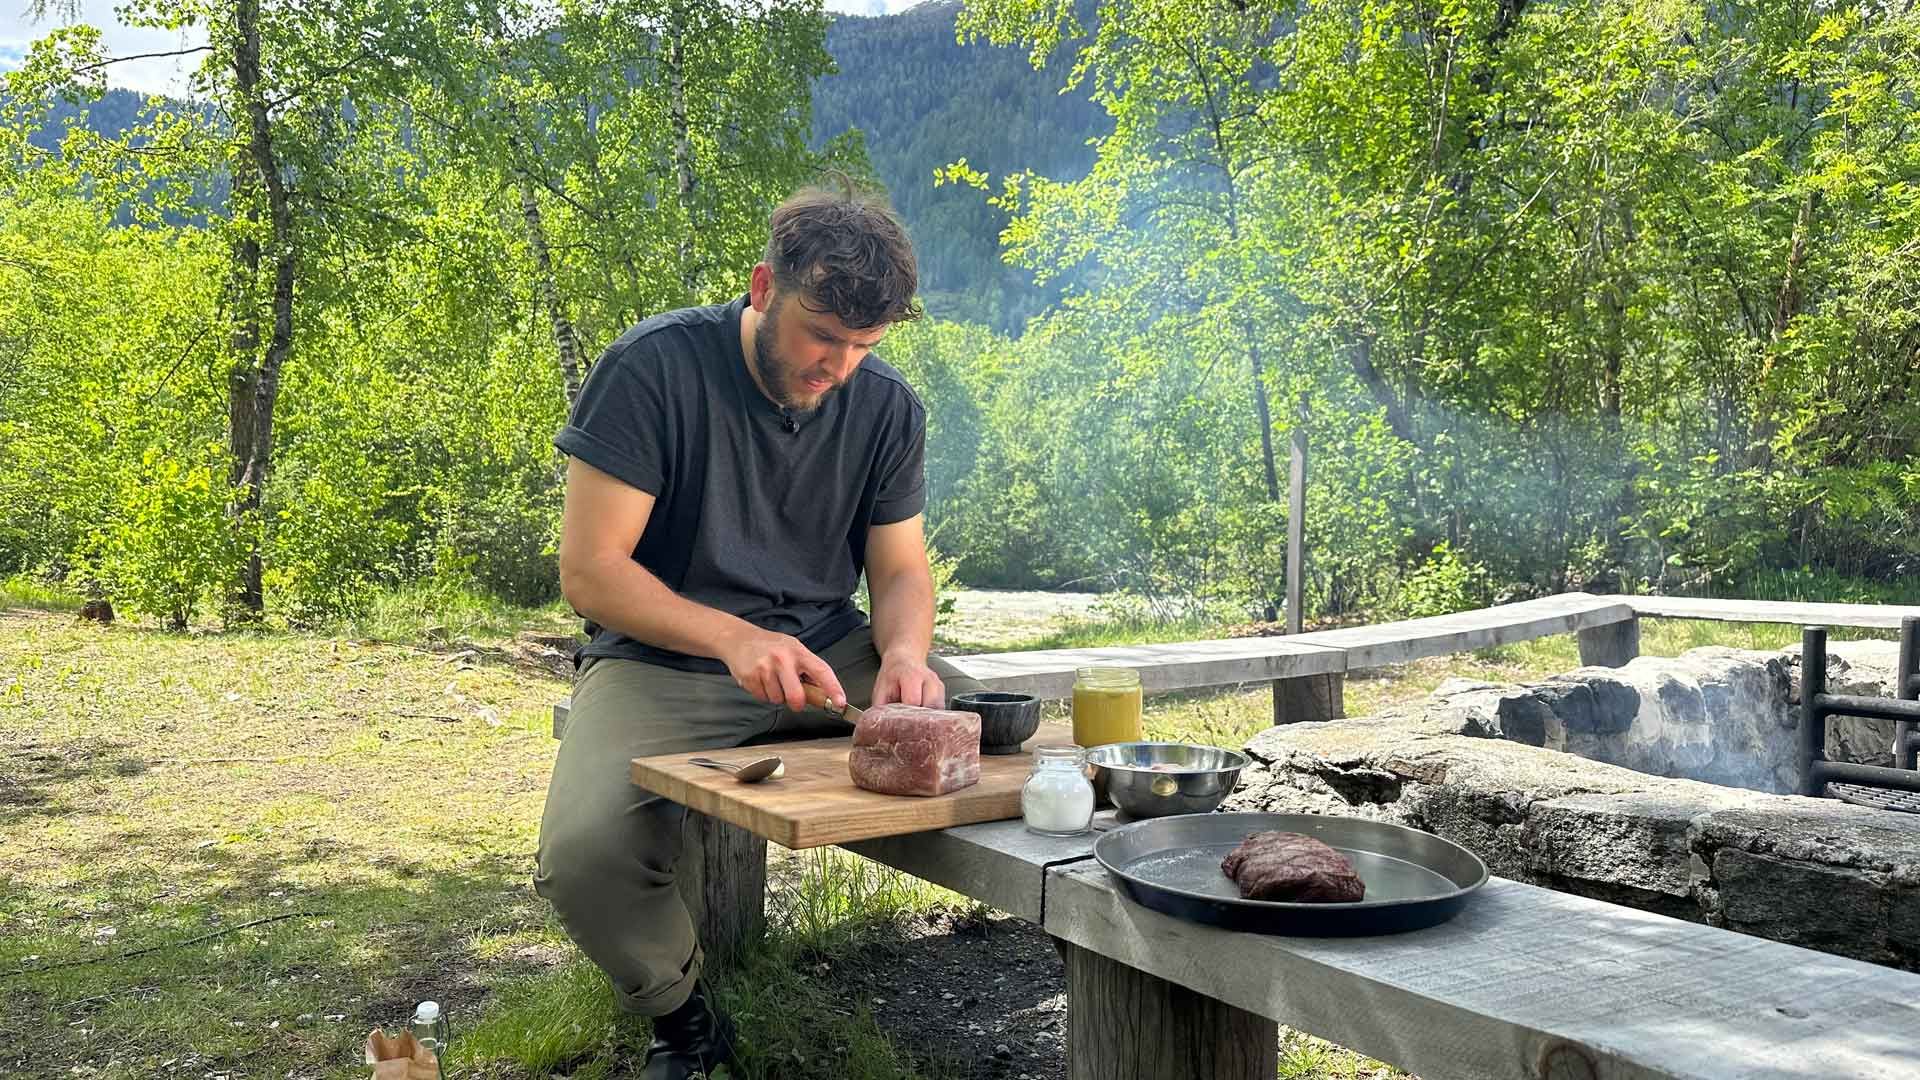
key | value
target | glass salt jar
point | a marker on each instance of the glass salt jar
(1057, 799)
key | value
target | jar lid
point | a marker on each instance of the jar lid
(1119, 677)
(427, 1012)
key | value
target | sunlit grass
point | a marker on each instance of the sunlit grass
(27, 591)
(429, 611)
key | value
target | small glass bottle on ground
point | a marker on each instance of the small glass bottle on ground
(430, 1029)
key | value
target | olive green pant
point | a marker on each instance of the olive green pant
(608, 849)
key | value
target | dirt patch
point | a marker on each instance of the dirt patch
(979, 998)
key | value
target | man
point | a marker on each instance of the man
(733, 470)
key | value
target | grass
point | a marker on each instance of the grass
(434, 611)
(1824, 586)
(28, 591)
(310, 833)
(1093, 633)
(235, 853)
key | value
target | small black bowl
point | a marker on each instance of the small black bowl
(1006, 720)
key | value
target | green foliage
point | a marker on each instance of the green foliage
(1446, 583)
(1592, 274)
(169, 548)
(1614, 297)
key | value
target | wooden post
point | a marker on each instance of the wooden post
(1297, 520)
(1310, 697)
(1124, 1024)
(723, 879)
(1611, 645)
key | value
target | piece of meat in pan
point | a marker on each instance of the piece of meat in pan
(1292, 867)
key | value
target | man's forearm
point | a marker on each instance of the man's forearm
(623, 595)
(903, 614)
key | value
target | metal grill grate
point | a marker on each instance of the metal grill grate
(1907, 802)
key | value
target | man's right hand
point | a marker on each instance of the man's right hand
(772, 667)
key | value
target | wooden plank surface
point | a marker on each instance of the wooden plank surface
(1412, 639)
(1049, 673)
(1792, 612)
(999, 863)
(1530, 983)
(815, 803)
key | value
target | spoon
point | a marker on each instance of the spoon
(751, 772)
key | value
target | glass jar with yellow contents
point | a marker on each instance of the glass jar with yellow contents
(1106, 706)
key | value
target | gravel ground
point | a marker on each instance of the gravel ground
(994, 615)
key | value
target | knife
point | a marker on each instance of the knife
(818, 699)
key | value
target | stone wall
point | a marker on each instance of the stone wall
(1724, 716)
(1813, 872)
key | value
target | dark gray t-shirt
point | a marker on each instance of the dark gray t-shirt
(759, 513)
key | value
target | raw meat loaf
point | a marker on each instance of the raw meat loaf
(1293, 867)
(909, 750)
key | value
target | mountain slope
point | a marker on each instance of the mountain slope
(922, 100)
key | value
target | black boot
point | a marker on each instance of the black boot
(692, 1040)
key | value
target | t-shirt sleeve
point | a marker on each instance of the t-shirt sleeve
(619, 423)
(903, 480)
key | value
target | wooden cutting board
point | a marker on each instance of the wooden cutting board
(815, 803)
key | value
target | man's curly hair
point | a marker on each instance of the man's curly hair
(847, 252)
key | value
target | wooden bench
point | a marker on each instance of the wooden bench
(1526, 983)
(1790, 612)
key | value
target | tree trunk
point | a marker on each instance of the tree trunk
(566, 340)
(683, 150)
(1791, 283)
(254, 390)
(1360, 358)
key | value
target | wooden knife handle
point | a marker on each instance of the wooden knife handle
(817, 698)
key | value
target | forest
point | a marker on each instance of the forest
(1621, 296)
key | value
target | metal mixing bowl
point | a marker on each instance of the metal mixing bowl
(1191, 779)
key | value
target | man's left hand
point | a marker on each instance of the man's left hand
(909, 682)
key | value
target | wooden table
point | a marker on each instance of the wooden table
(815, 803)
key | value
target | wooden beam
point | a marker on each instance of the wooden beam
(1123, 1024)
(1398, 642)
(1182, 666)
(1297, 520)
(1613, 645)
(999, 863)
(1790, 612)
(1530, 983)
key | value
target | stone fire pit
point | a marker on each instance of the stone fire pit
(1657, 785)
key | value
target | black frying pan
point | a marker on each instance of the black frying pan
(1172, 864)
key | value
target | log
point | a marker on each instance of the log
(1612, 645)
(1310, 697)
(723, 880)
(1124, 1024)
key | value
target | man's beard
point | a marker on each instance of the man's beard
(775, 373)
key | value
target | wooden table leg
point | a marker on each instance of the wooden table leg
(1124, 1024)
(723, 879)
